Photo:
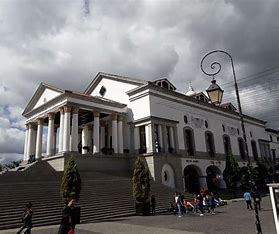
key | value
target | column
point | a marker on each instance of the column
(136, 139)
(74, 138)
(160, 133)
(171, 138)
(96, 136)
(120, 134)
(39, 138)
(54, 141)
(29, 145)
(148, 137)
(25, 156)
(66, 128)
(50, 132)
(61, 131)
(102, 136)
(114, 133)
(84, 139)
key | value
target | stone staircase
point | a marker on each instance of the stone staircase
(104, 195)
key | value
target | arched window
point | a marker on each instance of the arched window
(209, 141)
(241, 148)
(254, 150)
(165, 84)
(185, 119)
(206, 124)
(227, 145)
(189, 141)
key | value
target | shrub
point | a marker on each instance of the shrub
(232, 171)
(141, 182)
(71, 181)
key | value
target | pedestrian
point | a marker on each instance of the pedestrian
(211, 203)
(258, 199)
(26, 219)
(179, 204)
(247, 198)
(153, 205)
(68, 220)
(200, 200)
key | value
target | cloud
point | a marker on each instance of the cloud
(66, 43)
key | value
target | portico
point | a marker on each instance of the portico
(66, 116)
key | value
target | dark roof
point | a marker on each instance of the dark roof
(272, 130)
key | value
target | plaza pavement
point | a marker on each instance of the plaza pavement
(231, 219)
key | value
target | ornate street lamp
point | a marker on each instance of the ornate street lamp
(216, 67)
(215, 93)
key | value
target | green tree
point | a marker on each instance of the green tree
(141, 182)
(71, 181)
(232, 172)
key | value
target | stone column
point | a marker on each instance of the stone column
(74, 138)
(102, 136)
(54, 141)
(30, 137)
(66, 128)
(84, 138)
(96, 134)
(120, 134)
(160, 133)
(114, 133)
(136, 140)
(148, 137)
(39, 138)
(25, 156)
(50, 133)
(61, 131)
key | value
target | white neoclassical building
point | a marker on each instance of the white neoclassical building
(183, 137)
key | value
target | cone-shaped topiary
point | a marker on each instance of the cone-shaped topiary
(71, 181)
(231, 173)
(141, 182)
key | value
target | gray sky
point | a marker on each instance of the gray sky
(65, 43)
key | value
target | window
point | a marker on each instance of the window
(142, 139)
(241, 147)
(185, 119)
(165, 84)
(206, 124)
(270, 138)
(254, 150)
(223, 126)
(238, 131)
(202, 98)
(102, 91)
(251, 135)
(227, 145)
(189, 142)
(210, 147)
(265, 150)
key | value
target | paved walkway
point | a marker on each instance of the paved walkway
(231, 219)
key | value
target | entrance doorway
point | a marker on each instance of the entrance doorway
(191, 179)
(212, 177)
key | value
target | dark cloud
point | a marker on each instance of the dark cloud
(66, 43)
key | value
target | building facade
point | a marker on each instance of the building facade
(182, 137)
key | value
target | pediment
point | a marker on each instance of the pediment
(43, 94)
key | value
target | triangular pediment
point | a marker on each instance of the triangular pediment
(43, 94)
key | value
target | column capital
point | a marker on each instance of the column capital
(50, 115)
(61, 109)
(113, 116)
(31, 125)
(27, 126)
(40, 121)
(75, 110)
(96, 113)
(67, 109)
(120, 117)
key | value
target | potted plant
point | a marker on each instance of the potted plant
(141, 188)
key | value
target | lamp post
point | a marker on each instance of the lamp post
(216, 67)
(215, 94)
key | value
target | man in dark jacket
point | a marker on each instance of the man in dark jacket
(68, 220)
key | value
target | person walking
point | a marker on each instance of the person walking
(211, 203)
(200, 200)
(27, 219)
(68, 220)
(179, 204)
(153, 205)
(247, 199)
(258, 199)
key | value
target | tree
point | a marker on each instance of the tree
(141, 182)
(71, 181)
(231, 173)
(1, 167)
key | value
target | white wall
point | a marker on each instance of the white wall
(46, 96)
